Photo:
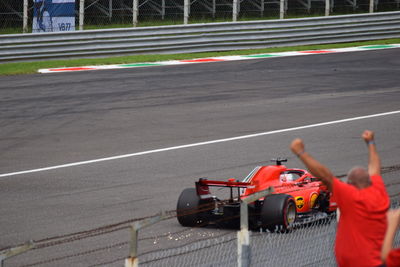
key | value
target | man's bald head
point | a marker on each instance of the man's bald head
(359, 177)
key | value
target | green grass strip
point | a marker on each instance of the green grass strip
(32, 67)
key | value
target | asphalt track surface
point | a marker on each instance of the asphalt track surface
(55, 119)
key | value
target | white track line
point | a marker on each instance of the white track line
(199, 144)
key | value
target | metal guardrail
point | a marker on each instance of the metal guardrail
(200, 37)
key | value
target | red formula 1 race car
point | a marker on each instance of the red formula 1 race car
(298, 197)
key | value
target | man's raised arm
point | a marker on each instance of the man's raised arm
(374, 162)
(314, 167)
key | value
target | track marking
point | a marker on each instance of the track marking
(198, 144)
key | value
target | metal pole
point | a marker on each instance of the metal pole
(243, 236)
(81, 14)
(234, 10)
(134, 241)
(371, 6)
(186, 5)
(110, 10)
(135, 11)
(25, 20)
(162, 9)
(281, 9)
(327, 7)
(213, 9)
(133, 260)
(262, 7)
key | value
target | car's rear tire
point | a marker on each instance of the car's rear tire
(192, 210)
(278, 212)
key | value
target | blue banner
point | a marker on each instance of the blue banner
(53, 15)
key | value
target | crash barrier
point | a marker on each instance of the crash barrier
(200, 37)
(18, 15)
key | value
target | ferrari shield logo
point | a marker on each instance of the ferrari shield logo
(299, 202)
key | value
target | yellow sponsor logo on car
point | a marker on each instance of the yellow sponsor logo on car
(299, 202)
(313, 198)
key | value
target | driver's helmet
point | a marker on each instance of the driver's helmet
(287, 177)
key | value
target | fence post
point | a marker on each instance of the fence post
(327, 7)
(135, 11)
(110, 10)
(371, 6)
(15, 251)
(262, 8)
(133, 260)
(281, 9)
(243, 236)
(25, 17)
(162, 9)
(186, 7)
(213, 8)
(81, 14)
(234, 10)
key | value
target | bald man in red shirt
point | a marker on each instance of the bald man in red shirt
(363, 203)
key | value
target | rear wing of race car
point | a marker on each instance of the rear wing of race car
(203, 187)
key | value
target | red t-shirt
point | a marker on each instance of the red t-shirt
(362, 223)
(393, 259)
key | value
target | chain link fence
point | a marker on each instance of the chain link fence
(308, 244)
(100, 14)
(11, 16)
